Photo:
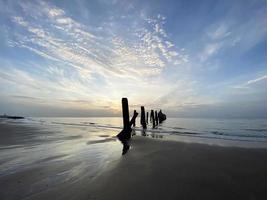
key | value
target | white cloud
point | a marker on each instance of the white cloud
(256, 80)
(220, 32)
(252, 83)
(209, 50)
(145, 55)
(238, 34)
(54, 12)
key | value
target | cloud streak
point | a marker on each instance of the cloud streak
(145, 55)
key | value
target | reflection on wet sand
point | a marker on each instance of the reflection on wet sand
(101, 141)
(39, 157)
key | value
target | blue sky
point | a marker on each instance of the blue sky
(190, 58)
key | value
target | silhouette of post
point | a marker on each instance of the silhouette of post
(125, 113)
(126, 132)
(132, 122)
(146, 117)
(156, 118)
(152, 118)
(161, 116)
(143, 117)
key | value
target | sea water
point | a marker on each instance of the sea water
(250, 130)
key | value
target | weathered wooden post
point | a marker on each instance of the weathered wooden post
(152, 118)
(156, 118)
(161, 116)
(125, 113)
(143, 117)
(146, 117)
(135, 113)
(126, 132)
(132, 122)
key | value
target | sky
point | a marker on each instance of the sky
(79, 58)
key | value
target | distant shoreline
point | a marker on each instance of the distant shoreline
(11, 117)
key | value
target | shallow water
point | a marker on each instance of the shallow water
(226, 129)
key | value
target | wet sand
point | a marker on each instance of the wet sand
(152, 169)
(156, 169)
(36, 161)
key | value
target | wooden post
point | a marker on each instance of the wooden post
(146, 117)
(161, 116)
(143, 117)
(126, 132)
(132, 122)
(156, 118)
(125, 113)
(152, 118)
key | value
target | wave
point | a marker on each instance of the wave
(238, 135)
(179, 128)
(88, 124)
(255, 129)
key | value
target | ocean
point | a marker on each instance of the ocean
(251, 130)
(184, 129)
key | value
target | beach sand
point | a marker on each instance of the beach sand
(153, 169)
(156, 169)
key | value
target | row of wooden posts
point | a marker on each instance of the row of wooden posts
(155, 119)
(126, 133)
